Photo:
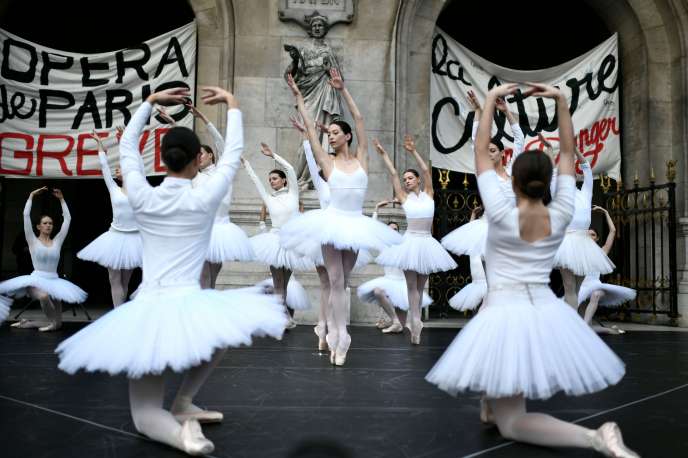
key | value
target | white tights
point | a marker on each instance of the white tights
(572, 284)
(415, 284)
(209, 274)
(339, 264)
(323, 311)
(387, 306)
(280, 280)
(119, 285)
(51, 307)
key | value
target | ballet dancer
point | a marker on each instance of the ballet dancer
(173, 324)
(119, 249)
(341, 228)
(282, 204)
(526, 343)
(598, 293)
(419, 255)
(43, 284)
(471, 296)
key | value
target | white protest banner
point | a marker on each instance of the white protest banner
(590, 83)
(51, 100)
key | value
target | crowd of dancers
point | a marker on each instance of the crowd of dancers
(523, 343)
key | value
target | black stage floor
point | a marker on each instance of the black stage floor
(278, 396)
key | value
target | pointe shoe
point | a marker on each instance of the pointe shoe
(395, 328)
(342, 349)
(50, 327)
(415, 332)
(193, 440)
(204, 416)
(608, 441)
(332, 345)
(19, 324)
(320, 332)
(382, 323)
(618, 330)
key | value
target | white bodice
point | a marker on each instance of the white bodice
(347, 190)
(419, 205)
(45, 258)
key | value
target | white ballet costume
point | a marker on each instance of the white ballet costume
(119, 248)
(342, 224)
(418, 251)
(283, 206)
(297, 297)
(525, 341)
(614, 295)
(469, 239)
(578, 251)
(471, 295)
(228, 242)
(393, 283)
(172, 323)
(5, 304)
(45, 260)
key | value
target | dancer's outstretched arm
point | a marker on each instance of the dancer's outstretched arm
(337, 82)
(410, 146)
(104, 166)
(28, 226)
(321, 186)
(483, 136)
(609, 243)
(399, 191)
(218, 139)
(66, 218)
(292, 179)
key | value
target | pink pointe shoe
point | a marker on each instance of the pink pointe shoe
(608, 441)
(321, 332)
(332, 342)
(193, 440)
(342, 349)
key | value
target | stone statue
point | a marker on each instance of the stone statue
(310, 66)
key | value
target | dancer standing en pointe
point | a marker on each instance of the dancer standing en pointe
(119, 249)
(419, 255)
(173, 324)
(341, 228)
(526, 343)
(43, 284)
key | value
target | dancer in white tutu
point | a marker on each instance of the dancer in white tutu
(471, 296)
(598, 293)
(173, 323)
(578, 254)
(43, 284)
(419, 255)
(282, 203)
(119, 249)
(341, 228)
(526, 343)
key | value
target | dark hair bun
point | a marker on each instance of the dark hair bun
(180, 146)
(535, 189)
(175, 158)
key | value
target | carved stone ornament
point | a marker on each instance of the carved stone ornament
(303, 11)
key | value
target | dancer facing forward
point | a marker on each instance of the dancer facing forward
(341, 229)
(43, 284)
(120, 248)
(419, 255)
(173, 323)
(526, 343)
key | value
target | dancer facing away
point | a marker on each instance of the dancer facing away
(43, 284)
(526, 343)
(419, 255)
(598, 293)
(341, 229)
(173, 323)
(119, 249)
(282, 204)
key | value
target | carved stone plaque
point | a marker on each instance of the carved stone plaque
(301, 10)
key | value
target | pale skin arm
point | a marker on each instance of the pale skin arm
(396, 183)
(483, 138)
(337, 82)
(28, 227)
(410, 146)
(609, 243)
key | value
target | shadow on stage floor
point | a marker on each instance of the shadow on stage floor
(277, 396)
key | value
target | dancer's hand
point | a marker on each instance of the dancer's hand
(196, 113)
(38, 191)
(382, 203)
(212, 95)
(298, 125)
(323, 128)
(265, 149)
(163, 114)
(503, 90)
(544, 141)
(119, 131)
(409, 144)
(93, 135)
(173, 96)
(292, 85)
(501, 105)
(58, 193)
(378, 146)
(542, 90)
(599, 209)
(475, 211)
(336, 80)
(473, 100)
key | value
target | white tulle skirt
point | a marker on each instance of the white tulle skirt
(394, 288)
(469, 297)
(516, 346)
(297, 297)
(469, 239)
(345, 230)
(268, 250)
(418, 253)
(5, 304)
(581, 255)
(115, 250)
(56, 287)
(614, 295)
(172, 328)
(229, 243)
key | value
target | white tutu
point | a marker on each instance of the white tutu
(229, 243)
(394, 288)
(614, 295)
(56, 287)
(515, 347)
(469, 239)
(268, 250)
(176, 328)
(581, 255)
(419, 253)
(297, 297)
(115, 250)
(469, 297)
(345, 230)
(5, 304)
